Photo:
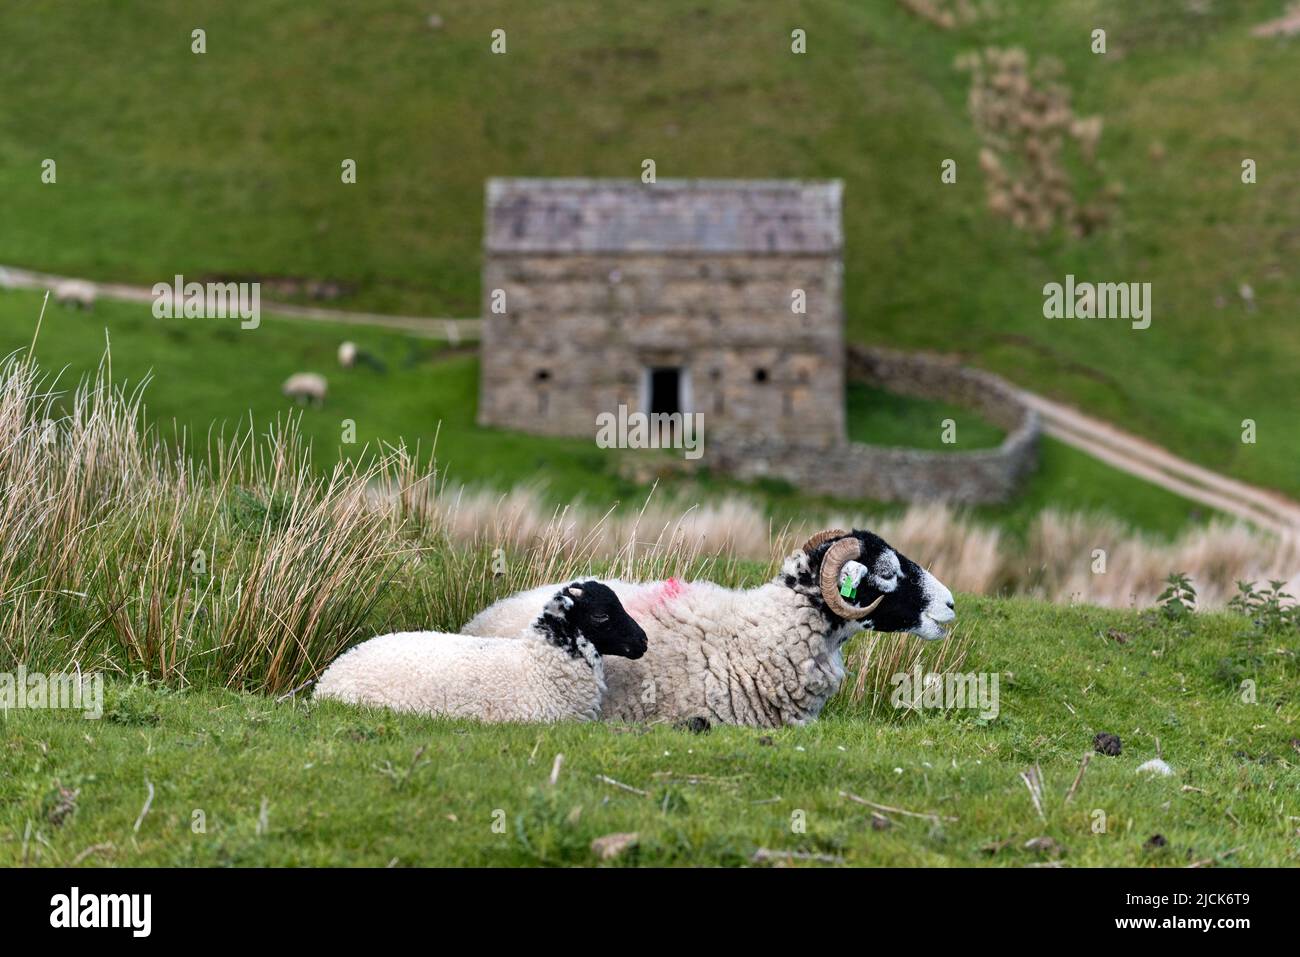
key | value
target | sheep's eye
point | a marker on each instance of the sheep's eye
(600, 619)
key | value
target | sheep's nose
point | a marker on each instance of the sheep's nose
(951, 606)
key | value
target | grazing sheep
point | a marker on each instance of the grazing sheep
(553, 671)
(768, 656)
(305, 387)
(75, 294)
(351, 356)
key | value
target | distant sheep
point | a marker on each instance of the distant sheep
(75, 294)
(351, 356)
(306, 387)
(554, 671)
(768, 656)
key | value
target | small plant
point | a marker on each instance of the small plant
(137, 703)
(1178, 600)
(1273, 614)
(547, 830)
(1271, 609)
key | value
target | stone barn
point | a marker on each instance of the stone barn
(717, 297)
(714, 296)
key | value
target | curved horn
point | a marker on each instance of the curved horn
(843, 551)
(811, 545)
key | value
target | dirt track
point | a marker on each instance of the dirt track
(427, 327)
(1264, 508)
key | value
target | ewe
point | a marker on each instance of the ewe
(305, 387)
(768, 656)
(554, 670)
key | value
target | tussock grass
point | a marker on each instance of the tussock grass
(119, 553)
(874, 659)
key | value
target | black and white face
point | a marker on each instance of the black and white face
(914, 601)
(600, 618)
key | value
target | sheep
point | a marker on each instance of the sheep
(75, 294)
(767, 656)
(305, 387)
(553, 671)
(351, 356)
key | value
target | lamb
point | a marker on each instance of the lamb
(553, 671)
(75, 293)
(306, 387)
(768, 656)
(347, 354)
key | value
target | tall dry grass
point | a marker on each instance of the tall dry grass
(118, 552)
(1058, 560)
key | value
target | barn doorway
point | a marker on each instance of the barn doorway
(665, 390)
(665, 395)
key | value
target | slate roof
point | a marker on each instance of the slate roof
(775, 217)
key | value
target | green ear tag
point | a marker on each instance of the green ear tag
(848, 589)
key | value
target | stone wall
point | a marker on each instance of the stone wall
(852, 470)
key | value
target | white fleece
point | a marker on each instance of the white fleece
(495, 679)
(764, 657)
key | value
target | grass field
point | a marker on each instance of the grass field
(208, 373)
(334, 785)
(229, 164)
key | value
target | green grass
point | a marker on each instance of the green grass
(362, 787)
(229, 162)
(206, 373)
(878, 417)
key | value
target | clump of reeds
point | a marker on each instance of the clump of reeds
(874, 661)
(118, 552)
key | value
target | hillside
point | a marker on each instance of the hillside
(228, 164)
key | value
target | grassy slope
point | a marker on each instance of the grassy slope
(206, 371)
(330, 801)
(878, 417)
(229, 163)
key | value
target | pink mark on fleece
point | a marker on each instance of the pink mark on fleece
(658, 594)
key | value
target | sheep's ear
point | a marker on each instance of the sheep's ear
(575, 591)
